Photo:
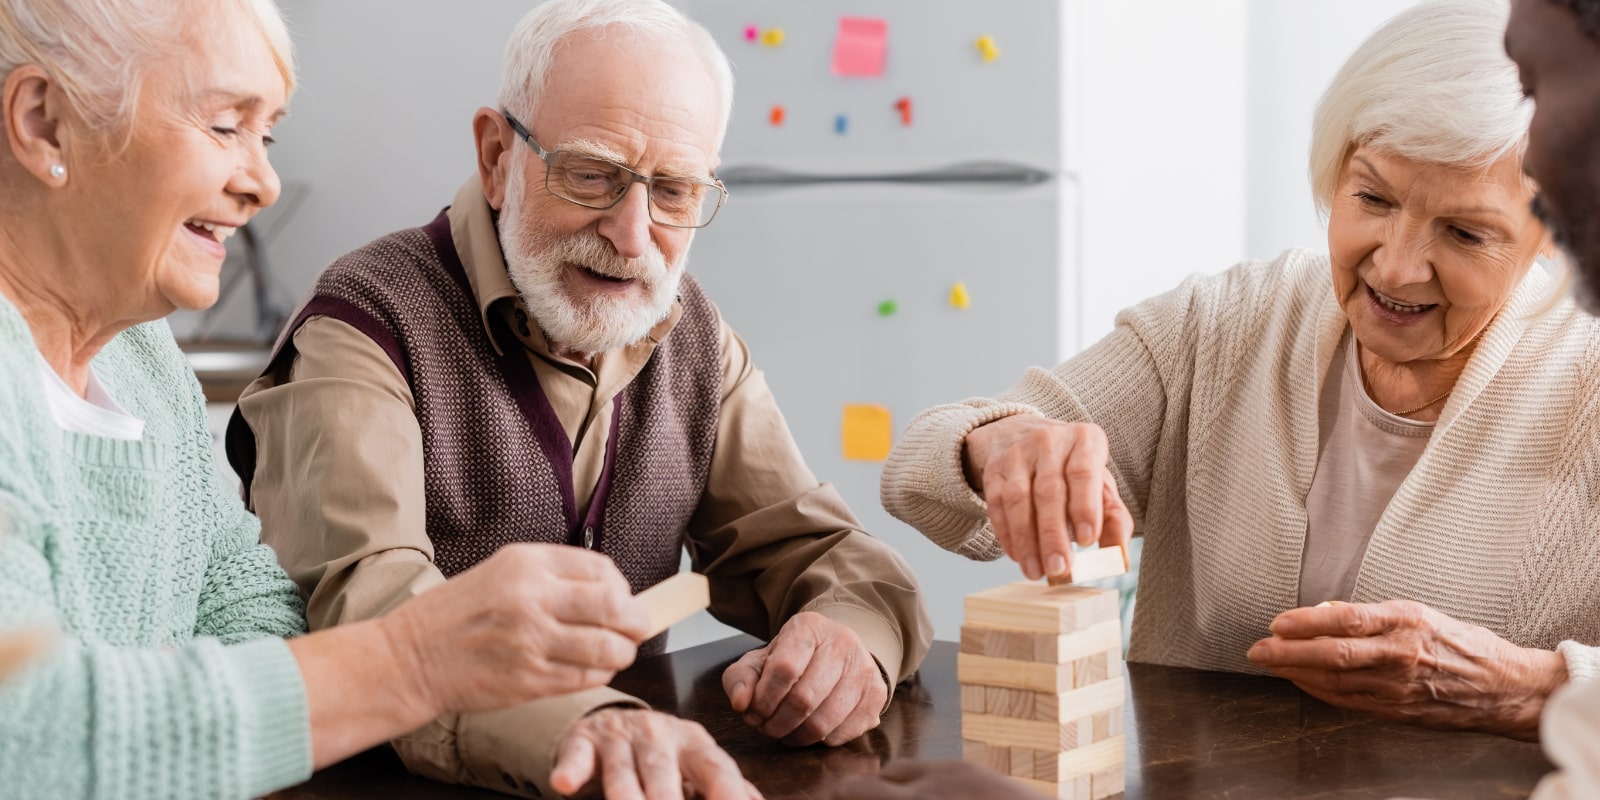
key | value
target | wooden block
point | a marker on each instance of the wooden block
(1031, 606)
(1049, 737)
(1098, 667)
(1083, 702)
(1001, 643)
(972, 698)
(1021, 762)
(995, 758)
(1093, 565)
(1103, 756)
(1096, 639)
(1107, 783)
(1033, 676)
(1004, 702)
(1106, 724)
(1079, 788)
(675, 600)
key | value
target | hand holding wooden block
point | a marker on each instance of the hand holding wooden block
(675, 600)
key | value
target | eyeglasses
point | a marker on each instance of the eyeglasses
(600, 184)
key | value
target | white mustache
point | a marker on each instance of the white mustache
(590, 251)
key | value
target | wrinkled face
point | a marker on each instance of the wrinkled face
(599, 280)
(1425, 255)
(157, 214)
(1559, 65)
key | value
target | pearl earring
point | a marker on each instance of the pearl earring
(58, 171)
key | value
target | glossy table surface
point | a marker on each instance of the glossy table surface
(1191, 734)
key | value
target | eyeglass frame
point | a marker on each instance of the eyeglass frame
(548, 157)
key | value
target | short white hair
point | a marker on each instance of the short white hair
(532, 48)
(99, 51)
(1434, 84)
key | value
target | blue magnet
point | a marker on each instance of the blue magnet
(841, 124)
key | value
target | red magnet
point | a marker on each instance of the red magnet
(903, 105)
(777, 116)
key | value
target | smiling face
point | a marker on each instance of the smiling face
(599, 280)
(1424, 255)
(1558, 63)
(153, 218)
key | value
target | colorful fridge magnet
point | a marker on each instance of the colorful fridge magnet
(903, 105)
(987, 49)
(841, 124)
(866, 433)
(959, 297)
(887, 308)
(776, 117)
(772, 37)
(751, 33)
(861, 47)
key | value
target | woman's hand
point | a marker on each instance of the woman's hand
(1403, 661)
(532, 620)
(1047, 484)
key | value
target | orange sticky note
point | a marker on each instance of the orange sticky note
(867, 433)
(861, 48)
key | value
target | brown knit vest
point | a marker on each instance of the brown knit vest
(496, 459)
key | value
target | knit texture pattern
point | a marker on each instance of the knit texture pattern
(489, 481)
(170, 678)
(1208, 395)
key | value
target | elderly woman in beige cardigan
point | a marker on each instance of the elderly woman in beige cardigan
(1409, 423)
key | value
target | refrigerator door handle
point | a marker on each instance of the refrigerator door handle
(987, 172)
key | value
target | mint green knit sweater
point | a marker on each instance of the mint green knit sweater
(171, 678)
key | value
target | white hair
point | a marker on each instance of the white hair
(1434, 84)
(531, 50)
(98, 51)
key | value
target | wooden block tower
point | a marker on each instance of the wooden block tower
(1042, 686)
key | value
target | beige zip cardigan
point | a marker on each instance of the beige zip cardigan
(1208, 395)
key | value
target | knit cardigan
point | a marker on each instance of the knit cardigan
(169, 677)
(1209, 397)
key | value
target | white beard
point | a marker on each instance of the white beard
(538, 261)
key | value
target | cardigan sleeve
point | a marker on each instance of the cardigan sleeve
(93, 718)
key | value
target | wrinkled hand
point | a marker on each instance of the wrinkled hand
(933, 780)
(530, 621)
(1404, 661)
(1047, 484)
(629, 754)
(814, 682)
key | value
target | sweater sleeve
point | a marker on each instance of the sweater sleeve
(1583, 661)
(95, 719)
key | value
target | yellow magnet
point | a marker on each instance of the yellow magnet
(987, 48)
(959, 297)
(772, 37)
(866, 433)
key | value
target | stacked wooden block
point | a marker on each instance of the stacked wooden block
(1042, 687)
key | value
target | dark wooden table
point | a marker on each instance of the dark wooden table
(1191, 736)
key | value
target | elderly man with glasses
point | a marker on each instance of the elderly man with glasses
(535, 365)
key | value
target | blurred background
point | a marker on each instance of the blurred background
(927, 196)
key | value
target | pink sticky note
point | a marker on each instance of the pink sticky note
(861, 48)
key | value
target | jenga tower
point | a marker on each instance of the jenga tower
(1042, 687)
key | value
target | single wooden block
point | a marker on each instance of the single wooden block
(1103, 756)
(1031, 606)
(982, 753)
(1106, 724)
(1080, 788)
(1021, 762)
(1093, 565)
(1107, 783)
(1098, 667)
(1049, 737)
(1001, 643)
(972, 698)
(1083, 702)
(1005, 702)
(1096, 639)
(1033, 676)
(675, 600)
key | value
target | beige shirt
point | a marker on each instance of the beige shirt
(339, 489)
(1366, 453)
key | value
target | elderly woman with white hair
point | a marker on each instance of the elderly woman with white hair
(134, 143)
(1403, 424)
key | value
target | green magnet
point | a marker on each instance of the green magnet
(887, 308)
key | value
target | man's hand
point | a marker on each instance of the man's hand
(1047, 484)
(933, 780)
(631, 754)
(1406, 662)
(814, 682)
